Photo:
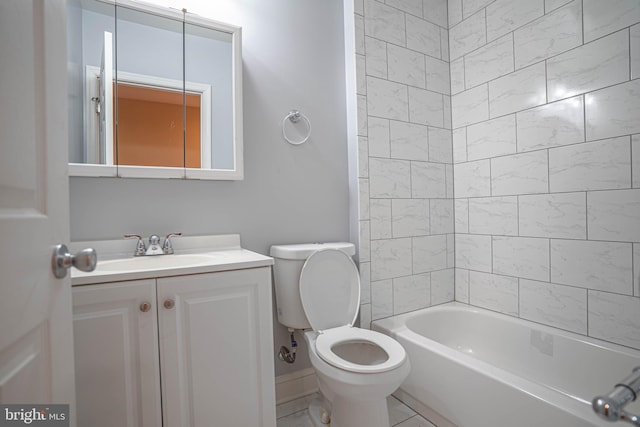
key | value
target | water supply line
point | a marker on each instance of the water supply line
(287, 355)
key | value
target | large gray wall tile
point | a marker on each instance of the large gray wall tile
(614, 318)
(553, 215)
(614, 215)
(504, 16)
(563, 307)
(604, 17)
(605, 266)
(613, 111)
(549, 35)
(498, 293)
(599, 165)
(473, 252)
(493, 215)
(550, 125)
(467, 35)
(520, 174)
(595, 65)
(524, 257)
(517, 91)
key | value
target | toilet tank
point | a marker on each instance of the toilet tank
(289, 260)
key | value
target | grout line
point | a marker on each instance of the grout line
(582, 17)
(584, 116)
(518, 213)
(518, 298)
(513, 44)
(631, 157)
(587, 312)
(546, 83)
(548, 172)
(492, 258)
(586, 214)
(466, 145)
(490, 179)
(550, 260)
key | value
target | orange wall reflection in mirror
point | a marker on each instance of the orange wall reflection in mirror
(150, 127)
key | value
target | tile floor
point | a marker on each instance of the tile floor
(294, 414)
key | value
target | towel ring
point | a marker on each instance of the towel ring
(294, 116)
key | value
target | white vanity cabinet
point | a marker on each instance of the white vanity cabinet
(200, 354)
(116, 354)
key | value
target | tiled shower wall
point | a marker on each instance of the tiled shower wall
(405, 156)
(545, 111)
(546, 146)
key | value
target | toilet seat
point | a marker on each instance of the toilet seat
(330, 294)
(327, 340)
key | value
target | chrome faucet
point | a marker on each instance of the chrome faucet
(154, 245)
(611, 406)
(167, 247)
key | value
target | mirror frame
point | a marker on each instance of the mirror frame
(235, 174)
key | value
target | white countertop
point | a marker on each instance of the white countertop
(193, 255)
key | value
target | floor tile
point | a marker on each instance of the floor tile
(294, 414)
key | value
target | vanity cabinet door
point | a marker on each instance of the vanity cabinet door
(216, 349)
(116, 354)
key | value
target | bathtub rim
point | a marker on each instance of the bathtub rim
(397, 323)
(396, 327)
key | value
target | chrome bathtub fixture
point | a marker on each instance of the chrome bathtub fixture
(154, 245)
(611, 406)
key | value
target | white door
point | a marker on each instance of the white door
(36, 336)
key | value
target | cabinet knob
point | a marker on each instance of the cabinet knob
(169, 303)
(144, 307)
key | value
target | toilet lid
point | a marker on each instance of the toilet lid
(330, 289)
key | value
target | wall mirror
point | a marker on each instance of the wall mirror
(153, 92)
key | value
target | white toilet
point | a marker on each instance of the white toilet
(318, 288)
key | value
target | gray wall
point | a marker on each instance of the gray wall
(293, 57)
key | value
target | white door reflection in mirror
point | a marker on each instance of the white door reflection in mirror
(104, 107)
(143, 102)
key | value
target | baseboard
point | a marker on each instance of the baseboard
(425, 411)
(295, 385)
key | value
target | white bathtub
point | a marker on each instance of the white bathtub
(475, 368)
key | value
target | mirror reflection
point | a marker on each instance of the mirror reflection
(153, 93)
(148, 90)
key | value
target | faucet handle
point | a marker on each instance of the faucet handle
(141, 249)
(167, 248)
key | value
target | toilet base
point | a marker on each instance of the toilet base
(319, 412)
(358, 413)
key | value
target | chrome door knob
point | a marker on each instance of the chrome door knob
(62, 260)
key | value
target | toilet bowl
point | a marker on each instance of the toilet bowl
(356, 368)
(357, 399)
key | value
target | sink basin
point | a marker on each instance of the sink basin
(155, 262)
